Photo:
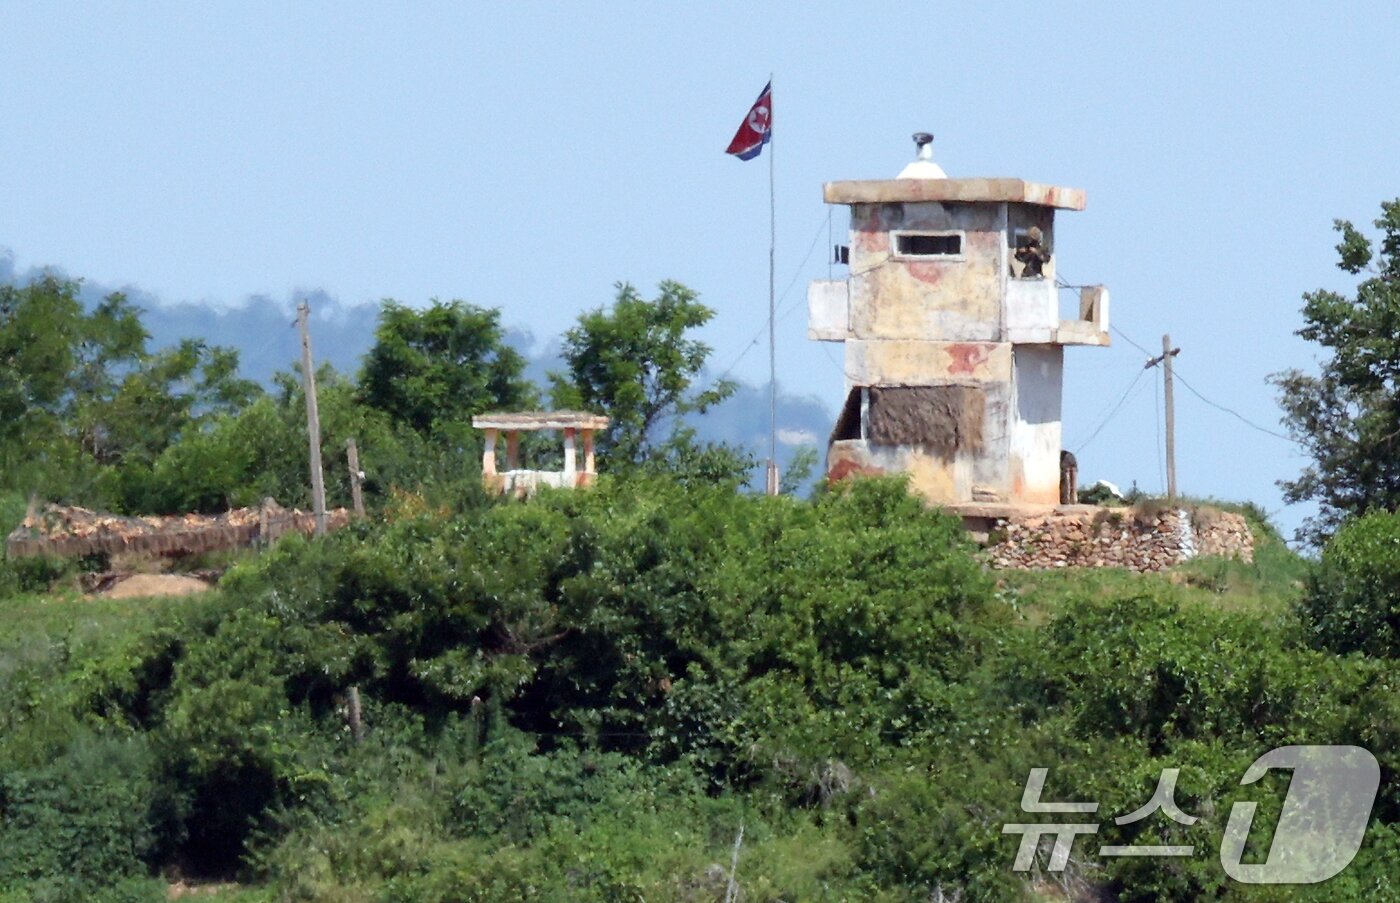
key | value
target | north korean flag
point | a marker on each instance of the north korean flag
(757, 127)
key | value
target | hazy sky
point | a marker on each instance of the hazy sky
(528, 156)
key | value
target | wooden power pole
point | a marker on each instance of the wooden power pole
(313, 421)
(1168, 352)
(357, 498)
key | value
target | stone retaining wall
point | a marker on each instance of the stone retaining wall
(1140, 540)
(70, 532)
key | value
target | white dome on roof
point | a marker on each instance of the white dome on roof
(923, 166)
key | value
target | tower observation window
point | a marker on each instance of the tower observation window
(928, 244)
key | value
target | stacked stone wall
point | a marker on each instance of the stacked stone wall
(1132, 538)
(70, 532)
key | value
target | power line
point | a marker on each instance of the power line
(1103, 423)
(798, 274)
(1064, 285)
(740, 357)
(1233, 413)
(1236, 414)
(764, 328)
(1125, 337)
(834, 363)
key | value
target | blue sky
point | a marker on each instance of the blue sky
(528, 156)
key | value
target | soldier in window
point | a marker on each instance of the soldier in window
(1032, 254)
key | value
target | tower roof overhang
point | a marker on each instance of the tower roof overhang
(1017, 191)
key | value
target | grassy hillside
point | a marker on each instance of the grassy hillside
(589, 697)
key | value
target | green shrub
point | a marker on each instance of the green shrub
(87, 820)
(936, 832)
(647, 616)
(1145, 667)
(581, 697)
(1352, 602)
(13, 506)
(32, 575)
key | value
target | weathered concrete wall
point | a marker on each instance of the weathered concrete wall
(829, 310)
(1035, 424)
(1032, 310)
(525, 483)
(1118, 537)
(982, 191)
(956, 300)
(911, 362)
(952, 439)
(938, 478)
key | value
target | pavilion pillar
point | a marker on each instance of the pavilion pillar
(513, 450)
(488, 454)
(570, 458)
(589, 466)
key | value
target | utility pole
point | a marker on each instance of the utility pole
(357, 476)
(313, 421)
(1168, 352)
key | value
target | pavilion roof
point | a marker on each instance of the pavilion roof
(540, 420)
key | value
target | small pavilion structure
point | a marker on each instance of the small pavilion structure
(520, 482)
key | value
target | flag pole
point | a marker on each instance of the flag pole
(772, 303)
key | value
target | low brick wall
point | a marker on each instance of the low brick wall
(1118, 537)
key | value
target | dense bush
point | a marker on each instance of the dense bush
(89, 817)
(1352, 603)
(31, 575)
(585, 696)
(679, 623)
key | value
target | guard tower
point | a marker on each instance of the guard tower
(954, 340)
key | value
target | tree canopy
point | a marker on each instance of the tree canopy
(85, 407)
(90, 416)
(1347, 416)
(636, 363)
(442, 364)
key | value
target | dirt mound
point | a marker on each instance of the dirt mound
(147, 585)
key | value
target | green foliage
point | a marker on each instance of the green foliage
(260, 452)
(32, 575)
(89, 806)
(1101, 495)
(624, 614)
(86, 820)
(799, 471)
(1352, 603)
(13, 506)
(41, 328)
(690, 462)
(1191, 675)
(439, 818)
(441, 365)
(634, 362)
(939, 830)
(582, 697)
(1348, 416)
(84, 407)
